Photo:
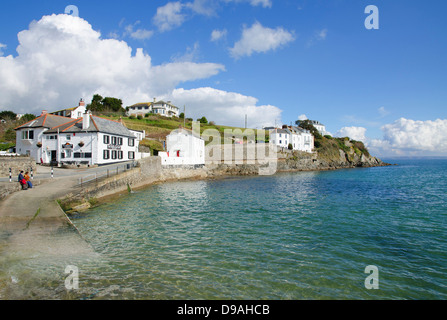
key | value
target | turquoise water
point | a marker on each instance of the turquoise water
(290, 236)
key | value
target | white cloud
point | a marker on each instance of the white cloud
(302, 117)
(416, 135)
(355, 133)
(2, 46)
(404, 137)
(216, 35)
(169, 16)
(139, 34)
(226, 108)
(263, 3)
(319, 35)
(260, 39)
(383, 112)
(61, 59)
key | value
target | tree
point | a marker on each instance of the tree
(307, 125)
(203, 120)
(105, 105)
(28, 117)
(182, 116)
(8, 115)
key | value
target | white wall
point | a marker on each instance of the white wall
(183, 149)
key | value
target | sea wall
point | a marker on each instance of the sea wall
(16, 164)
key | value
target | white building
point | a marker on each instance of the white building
(183, 148)
(91, 140)
(74, 113)
(319, 126)
(162, 108)
(300, 139)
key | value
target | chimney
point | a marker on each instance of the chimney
(86, 120)
(81, 103)
(44, 112)
(122, 122)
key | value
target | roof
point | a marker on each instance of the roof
(97, 124)
(45, 121)
(154, 104)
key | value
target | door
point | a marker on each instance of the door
(53, 156)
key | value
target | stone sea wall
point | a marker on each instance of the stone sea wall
(16, 164)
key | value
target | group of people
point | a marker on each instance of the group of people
(25, 180)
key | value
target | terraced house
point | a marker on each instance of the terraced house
(89, 140)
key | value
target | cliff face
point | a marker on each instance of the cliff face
(332, 154)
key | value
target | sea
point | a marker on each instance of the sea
(353, 234)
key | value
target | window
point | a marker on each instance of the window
(77, 155)
(28, 135)
(88, 155)
(106, 154)
(131, 155)
(114, 140)
(106, 139)
(68, 137)
(120, 141)
(120, 155)
(114, 154)
(131, 142)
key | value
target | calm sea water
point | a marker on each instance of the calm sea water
(290, 236)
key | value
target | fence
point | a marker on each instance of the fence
(106, 173)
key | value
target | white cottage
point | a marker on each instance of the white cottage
(183, 148)
(91, 140)
(300, 139)
(161, 107)
(74, 113)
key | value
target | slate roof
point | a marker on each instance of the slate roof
(44, 121)
(97, 124)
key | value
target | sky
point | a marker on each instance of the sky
(378, 75)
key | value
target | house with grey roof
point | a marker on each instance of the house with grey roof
(300, 139)
(88, 140)
(161, 107)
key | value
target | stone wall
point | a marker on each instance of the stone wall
(16, 164)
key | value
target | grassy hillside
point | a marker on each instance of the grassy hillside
(158, 127)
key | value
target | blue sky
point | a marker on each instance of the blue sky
(322, 62)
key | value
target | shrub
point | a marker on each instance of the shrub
(139, 117)
(290, 146)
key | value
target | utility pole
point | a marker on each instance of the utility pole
(245, 121)
(184, 116)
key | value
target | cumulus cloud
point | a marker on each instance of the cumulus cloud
(355, 133)
(216, 35)
(260, 39)
(61, 59)
(226, 108)
(2, 46)
(416, 135)
(404, 137)
(383, 112)
(302, 117)
(169, 16)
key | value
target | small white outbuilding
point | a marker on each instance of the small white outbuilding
(183, 147)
